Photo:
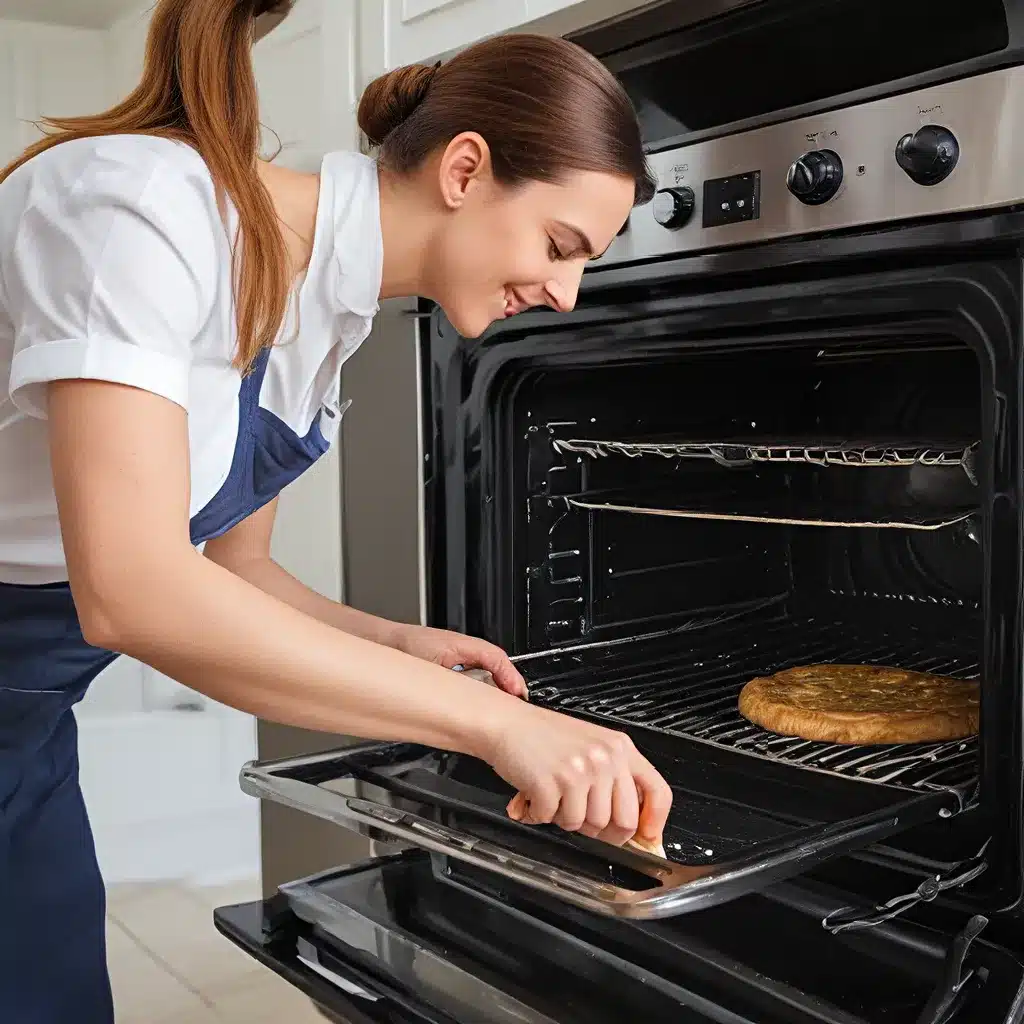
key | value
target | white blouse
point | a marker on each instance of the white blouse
(115, 264)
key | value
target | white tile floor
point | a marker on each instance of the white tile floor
(168, 965)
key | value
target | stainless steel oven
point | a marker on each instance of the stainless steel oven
(782, 426)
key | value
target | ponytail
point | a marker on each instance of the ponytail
(198, 87)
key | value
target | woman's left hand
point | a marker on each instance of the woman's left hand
(449, 649)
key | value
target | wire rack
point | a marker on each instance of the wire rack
(689, 687)
(819, 453)
(846, 518)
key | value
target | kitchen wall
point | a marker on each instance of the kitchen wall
(44, 67)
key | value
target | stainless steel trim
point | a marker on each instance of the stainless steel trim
(421, 506)
(984, 113)
(679, 888)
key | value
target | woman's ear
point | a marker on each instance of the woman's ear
(465, 162)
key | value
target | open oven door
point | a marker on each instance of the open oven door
(401, 940)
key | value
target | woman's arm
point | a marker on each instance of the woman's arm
(120, 466)
(121, 476)
(245, 551)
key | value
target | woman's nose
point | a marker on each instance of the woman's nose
(562, 291)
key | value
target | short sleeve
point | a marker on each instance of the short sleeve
(113, 275)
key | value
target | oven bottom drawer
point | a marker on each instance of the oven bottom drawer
(398, 941)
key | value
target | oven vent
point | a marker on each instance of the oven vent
(691, 689)
(857, 454)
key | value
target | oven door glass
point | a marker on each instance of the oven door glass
(403, 941)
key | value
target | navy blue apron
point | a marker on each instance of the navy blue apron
(52, 905)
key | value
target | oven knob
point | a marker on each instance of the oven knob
(815, 178)
(673, 207)
(928, 155)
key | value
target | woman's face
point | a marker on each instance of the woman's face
(499, 251)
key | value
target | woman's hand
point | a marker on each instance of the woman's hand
(448, 649)
(579, 776)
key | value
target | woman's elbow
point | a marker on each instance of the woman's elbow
(103, 619)
(118, 606)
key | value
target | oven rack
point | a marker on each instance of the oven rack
(683, 686)
(817, 452)
(838, 517)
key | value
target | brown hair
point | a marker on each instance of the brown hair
(544, 105)
(198, 87)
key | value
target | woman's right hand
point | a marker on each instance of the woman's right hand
(579, 776)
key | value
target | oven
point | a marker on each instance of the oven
(781, 427)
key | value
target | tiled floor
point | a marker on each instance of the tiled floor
(168, 965)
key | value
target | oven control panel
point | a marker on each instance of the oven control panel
(732, 200)
(815, 177)
(947, 149)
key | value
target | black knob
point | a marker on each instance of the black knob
(929, 154)
(815, 178)
(673, 207)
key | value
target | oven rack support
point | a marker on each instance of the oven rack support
(848, 919)
(825, 453)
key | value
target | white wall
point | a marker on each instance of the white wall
(124, 44)
(45, 68)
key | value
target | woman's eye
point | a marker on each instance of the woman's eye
(554, 252)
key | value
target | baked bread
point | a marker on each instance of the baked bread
(862, 704)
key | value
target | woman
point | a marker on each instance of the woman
(173, 317)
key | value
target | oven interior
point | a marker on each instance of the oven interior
(883, 430)
(744, 506)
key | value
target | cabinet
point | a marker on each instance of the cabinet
(420, 29)
(397, 32)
